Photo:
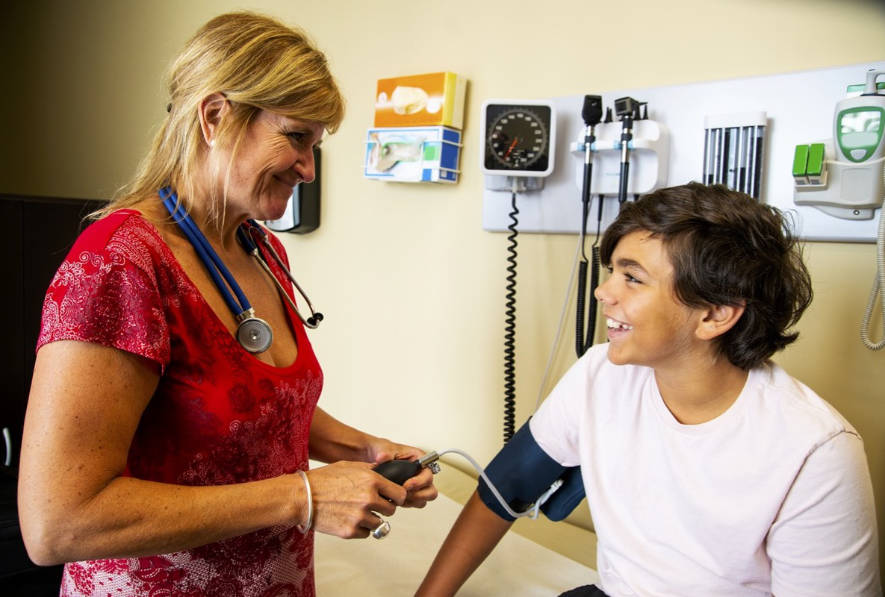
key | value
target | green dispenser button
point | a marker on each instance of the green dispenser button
(800, 164)
(816, 154)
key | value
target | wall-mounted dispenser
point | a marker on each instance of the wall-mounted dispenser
(417, 132)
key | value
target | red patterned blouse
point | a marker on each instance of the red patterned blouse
(218, 416)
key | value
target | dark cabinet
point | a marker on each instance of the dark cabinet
(38, 233)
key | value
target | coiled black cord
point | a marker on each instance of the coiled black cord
(510, 327)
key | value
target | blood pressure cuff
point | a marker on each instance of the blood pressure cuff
(522, 472)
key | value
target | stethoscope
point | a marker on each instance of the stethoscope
(253, 333)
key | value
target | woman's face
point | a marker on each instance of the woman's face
(275, 154)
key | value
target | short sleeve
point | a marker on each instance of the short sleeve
(106, 292)
(824, 541)
(555, 426)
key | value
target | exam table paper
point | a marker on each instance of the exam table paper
(395, 565)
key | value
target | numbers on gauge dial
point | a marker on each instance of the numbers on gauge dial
(517, 138)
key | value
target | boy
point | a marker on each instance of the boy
(708, 469)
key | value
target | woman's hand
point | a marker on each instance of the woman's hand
(419, 488)
(348, 498)
(333, 441)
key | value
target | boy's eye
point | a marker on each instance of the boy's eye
(631, 279)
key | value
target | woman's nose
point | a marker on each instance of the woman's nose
(305, 166)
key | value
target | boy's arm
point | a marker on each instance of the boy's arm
(824, 538)
(472, 538)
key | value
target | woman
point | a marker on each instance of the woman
(155, 425)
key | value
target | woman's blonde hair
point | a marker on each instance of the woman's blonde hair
(258, 64)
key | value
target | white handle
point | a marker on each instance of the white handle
(870, 87)
(7, 439)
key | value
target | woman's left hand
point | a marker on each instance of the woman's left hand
(419, 488)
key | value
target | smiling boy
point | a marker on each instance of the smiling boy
(707, 468)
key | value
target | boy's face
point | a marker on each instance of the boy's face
(647, 324)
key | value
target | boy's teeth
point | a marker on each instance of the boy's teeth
(617, 324)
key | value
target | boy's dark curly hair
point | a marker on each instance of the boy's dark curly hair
(726, 249)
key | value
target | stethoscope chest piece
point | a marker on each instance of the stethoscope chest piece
(254, 334)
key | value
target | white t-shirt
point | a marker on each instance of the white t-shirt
(771, 497)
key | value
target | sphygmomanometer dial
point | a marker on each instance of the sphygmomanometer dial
(518, 139)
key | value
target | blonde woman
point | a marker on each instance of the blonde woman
(165, 452)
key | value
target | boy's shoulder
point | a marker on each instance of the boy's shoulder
(786, 401)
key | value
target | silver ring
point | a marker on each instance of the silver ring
(382, 530)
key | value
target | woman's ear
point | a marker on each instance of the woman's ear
(212, 109)
(718, 319)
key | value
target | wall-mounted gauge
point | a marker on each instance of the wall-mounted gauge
(518, 137)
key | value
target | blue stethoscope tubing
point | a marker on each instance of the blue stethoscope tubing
(214, 264)
(253, 333)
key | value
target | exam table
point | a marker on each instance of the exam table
(524, 563)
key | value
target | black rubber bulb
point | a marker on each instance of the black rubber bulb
(398, 471)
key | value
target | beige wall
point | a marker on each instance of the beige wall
(411, 285)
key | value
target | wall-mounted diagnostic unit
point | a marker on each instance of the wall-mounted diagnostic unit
(630, 151)
(845, 177)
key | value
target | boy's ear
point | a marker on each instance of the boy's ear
(213, 107)
(718, 319)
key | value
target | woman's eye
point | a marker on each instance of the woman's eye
(296, 136)
(631, 279)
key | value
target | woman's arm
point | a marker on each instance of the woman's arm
(472, 538)
(331, 440)
(85, 403)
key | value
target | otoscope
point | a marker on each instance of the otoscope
(627, 110)
(592, 115)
